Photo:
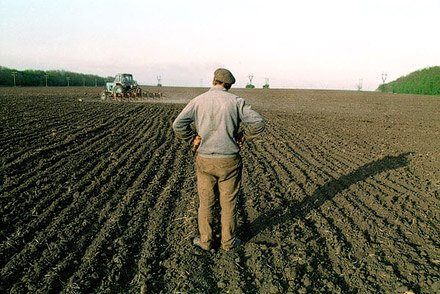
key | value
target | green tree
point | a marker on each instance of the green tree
(424, 82)
(54, 78)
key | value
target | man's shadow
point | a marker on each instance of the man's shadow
(323, 193)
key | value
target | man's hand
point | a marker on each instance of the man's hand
(196, 143)
(240, 139)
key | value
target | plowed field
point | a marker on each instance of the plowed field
(340, 195)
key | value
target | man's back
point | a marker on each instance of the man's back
(217, 115)
(217, 121)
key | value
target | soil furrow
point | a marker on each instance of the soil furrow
(86, 165)
(79, 194)
(340, 194)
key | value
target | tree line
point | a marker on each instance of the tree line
(424, 82)
(50, 78)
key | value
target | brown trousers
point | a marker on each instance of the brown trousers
(218, 176)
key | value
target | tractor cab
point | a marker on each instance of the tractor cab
(126, 80)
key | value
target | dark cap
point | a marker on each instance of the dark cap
(224, 75)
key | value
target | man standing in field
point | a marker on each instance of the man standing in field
(211, 123)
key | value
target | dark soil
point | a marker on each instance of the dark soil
(340, 195)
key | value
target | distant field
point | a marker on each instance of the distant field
(340, 195)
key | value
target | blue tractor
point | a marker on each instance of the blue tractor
(122, 87)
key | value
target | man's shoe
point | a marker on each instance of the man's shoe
(196, 242)
(237, 243)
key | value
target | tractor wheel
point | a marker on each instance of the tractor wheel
(118, 92)
(103, 95)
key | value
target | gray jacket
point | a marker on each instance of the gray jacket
(216, 116)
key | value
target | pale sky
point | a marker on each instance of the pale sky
(312, 44)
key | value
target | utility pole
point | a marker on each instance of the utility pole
(14, 74)
(251, 77)
(250, 86)
(266, 84)
(68, 81)
(96, 83)
(84, 82)
(359, 85)
(384, 78)
(159, 79)
(46, 76)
